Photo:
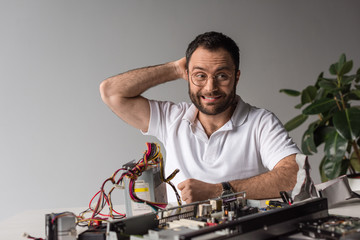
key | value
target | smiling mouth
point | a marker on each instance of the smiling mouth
(212, 98)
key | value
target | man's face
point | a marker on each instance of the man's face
(214, 96)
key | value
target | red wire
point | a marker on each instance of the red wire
(133, 175)
(108, 203)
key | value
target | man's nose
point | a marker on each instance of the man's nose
(211, 84)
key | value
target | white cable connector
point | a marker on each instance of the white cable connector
(26, 235)
(120, 186)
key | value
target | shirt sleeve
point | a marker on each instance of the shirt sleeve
(162, 115)
(275, 142)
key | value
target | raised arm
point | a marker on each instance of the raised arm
(264, 186)
(122, 93)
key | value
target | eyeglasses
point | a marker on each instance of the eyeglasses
(200, 78)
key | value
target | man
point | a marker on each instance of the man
(218, 142)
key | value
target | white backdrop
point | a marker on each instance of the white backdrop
(59, 142)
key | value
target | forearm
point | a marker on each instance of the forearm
(264, 186)
(268, 185)
(133, 83)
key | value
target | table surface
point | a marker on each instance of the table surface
(33, 221)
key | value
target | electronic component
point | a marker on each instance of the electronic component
(148, 186)
(205, 210)
(122, 229)
(136, 225)
(265, 225)
(93, 234)
(220, 218)
(60, 226)
(235, 221)
(144, 191)
(332, 227)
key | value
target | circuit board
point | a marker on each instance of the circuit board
(207, 220)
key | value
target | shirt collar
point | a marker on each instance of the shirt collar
(240, 113)
(237, 119)
(191, 114)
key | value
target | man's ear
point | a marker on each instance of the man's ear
(238, 76)
(187, 75)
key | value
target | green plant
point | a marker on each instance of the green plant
(338, 122)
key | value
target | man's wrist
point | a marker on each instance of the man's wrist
(218, 190)
(226, 189)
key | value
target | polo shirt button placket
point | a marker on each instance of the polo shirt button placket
(211, 150)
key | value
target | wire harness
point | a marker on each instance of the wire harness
(152, 156)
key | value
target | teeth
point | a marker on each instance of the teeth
(211, 98)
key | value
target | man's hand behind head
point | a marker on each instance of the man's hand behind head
(180, 66)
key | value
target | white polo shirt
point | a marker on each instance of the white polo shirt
(252, 142)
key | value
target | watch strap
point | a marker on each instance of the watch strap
(226, 188)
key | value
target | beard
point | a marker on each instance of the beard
(213, 108)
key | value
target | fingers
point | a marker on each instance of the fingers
(186, 190)
(187, 197)
(193, 190)
(181, 68)
(186, 183)
(181, 185)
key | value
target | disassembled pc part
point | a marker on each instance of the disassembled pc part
(60, 226)
(193, 221)
(332, 227)
(148, 186)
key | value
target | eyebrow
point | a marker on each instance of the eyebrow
(218, 69)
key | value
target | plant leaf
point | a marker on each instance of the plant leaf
(347, 123)
(320, 106)
(348, 79)
(335, 146)
(345, 68)
(345, 163)
(333, 69)
(355, 162)
(308, 146)
(322, 170)
(321, 75)
(320, 134)
(308, 94)
(341, 62)
(357, 79)
(354, 94)
(328, 84)
(295, 122)
(344, 89)
(335, 149)
(290, 92)
(298, 106)
(321, 93)
(331, 169)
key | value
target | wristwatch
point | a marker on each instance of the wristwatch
(227, 189)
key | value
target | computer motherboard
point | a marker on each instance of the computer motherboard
(221, 218)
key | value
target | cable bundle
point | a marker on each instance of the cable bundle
(151, 157)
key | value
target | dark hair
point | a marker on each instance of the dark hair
(214, 41)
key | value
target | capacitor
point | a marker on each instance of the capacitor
(231, 215)
(205, 210)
